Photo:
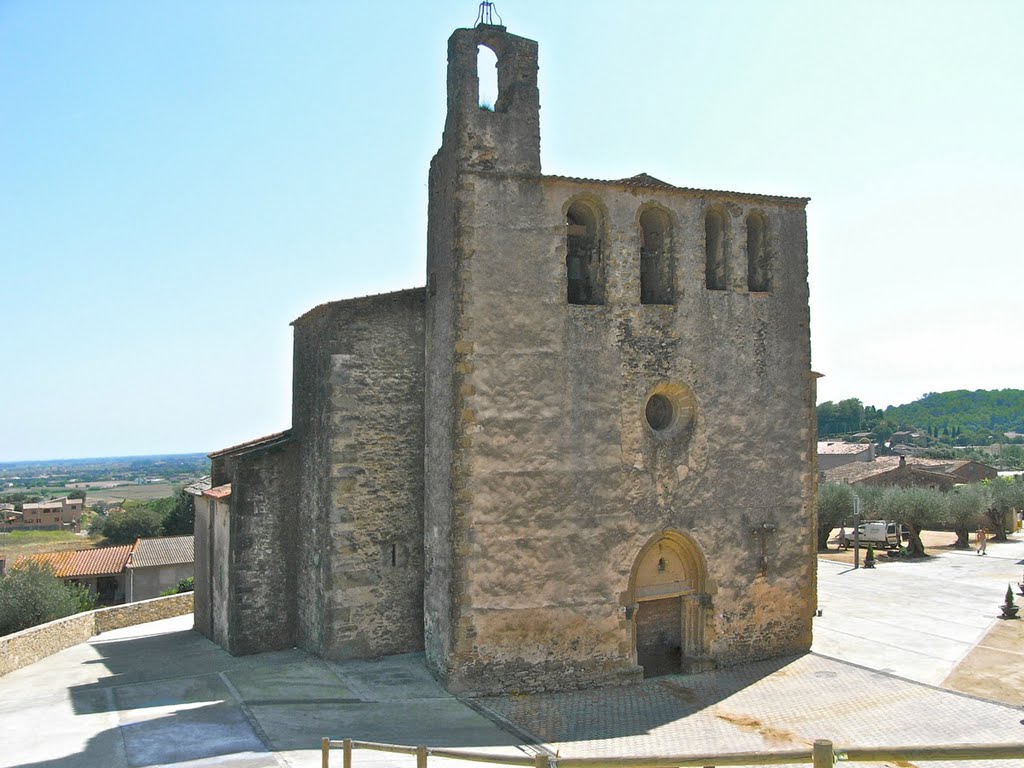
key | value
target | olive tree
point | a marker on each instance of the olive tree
(1007, 495)
(915, 508)
(835, 506)
(967, 507)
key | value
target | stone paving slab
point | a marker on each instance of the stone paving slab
(916, 619)
(771, 705)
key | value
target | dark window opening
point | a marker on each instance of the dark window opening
(583, 256)
(487, 77)
(394, 555)
(714, 251)
(757, 253)
(656, 267)
(659, 412)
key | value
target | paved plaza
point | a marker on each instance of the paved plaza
(160, 694)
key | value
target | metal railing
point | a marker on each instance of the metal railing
(822, 755)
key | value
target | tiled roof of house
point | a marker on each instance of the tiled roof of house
(103, 561)
(220, 492)
(200, 485)
(840, 448)
(259, 442)
(861, 470)
(167, 550)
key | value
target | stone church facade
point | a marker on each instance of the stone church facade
(583, 453)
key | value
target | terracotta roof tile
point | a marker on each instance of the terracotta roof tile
(220, 492)
(103, 561)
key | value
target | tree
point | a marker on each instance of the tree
(180, 518)
(967, 507)
(835, 506)
(76, 495)
(132, 522)
(914, 508)
(1007, 494)
(31, 595)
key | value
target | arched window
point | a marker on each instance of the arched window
(583, 255)
(714, 251)
(757, 253)
(656, 267)
(487, 77)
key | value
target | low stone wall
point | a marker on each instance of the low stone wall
(35, 643)
(130, 614)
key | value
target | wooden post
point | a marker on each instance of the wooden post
(540, 760)
(346, 754)
(421, 757)
(822, 754)
(325, 752)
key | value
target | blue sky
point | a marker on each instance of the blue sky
(180, 180)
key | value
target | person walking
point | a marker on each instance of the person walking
(982, 541)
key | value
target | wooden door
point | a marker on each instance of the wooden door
(659, 636)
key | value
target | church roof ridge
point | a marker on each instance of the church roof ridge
(321, 307)
(645, 180)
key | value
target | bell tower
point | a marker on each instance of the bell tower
(507, 138)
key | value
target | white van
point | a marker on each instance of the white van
(881, 533)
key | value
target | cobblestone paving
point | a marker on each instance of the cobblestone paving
(775, 705)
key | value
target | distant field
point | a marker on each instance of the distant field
(117, 493)
(14, 545)
(136, 492)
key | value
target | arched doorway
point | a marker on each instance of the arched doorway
(669, 603)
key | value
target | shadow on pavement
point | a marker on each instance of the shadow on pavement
(631, 710)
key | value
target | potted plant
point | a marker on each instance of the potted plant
(869, 561)
(1009, 607)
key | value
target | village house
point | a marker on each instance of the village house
(832, 454)
(125, 573)
(100, 569)
(53, 514)
(940, 474)
(156, 565)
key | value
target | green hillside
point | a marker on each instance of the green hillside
(959, 417)
(993, 410)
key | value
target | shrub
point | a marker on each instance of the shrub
(31, 595)
(1009, 595)
(185, 585)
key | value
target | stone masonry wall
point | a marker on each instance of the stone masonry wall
(142, 612)
(559, 477)
(20, 649)
(507, 139)
(369, 539)
(263, 523)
